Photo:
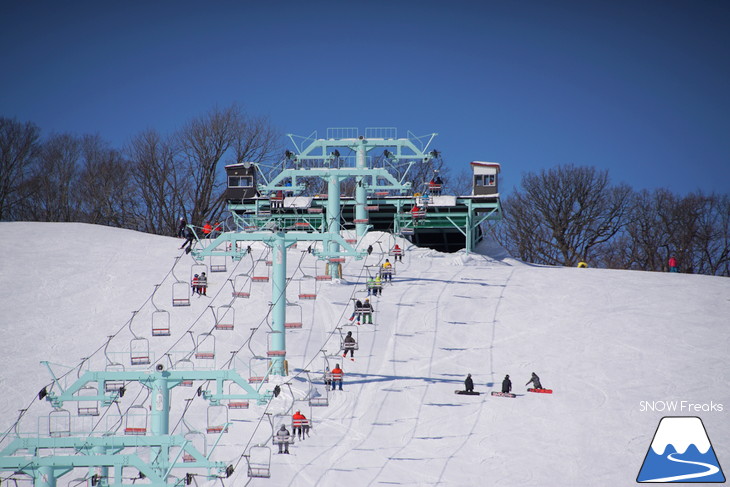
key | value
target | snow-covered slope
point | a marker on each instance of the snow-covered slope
(605, 341)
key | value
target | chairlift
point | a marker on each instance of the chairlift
(242, 286)
(205, 346)
(322, 277)
(296, 321)
(59, 423)
(217, 263)
(160, 323)
(261, 277)
(182, 365)
(372, 207)
(336, 260)
(233, 389)
(217, 419)
(225, 317)
(315, 398)
(351, 241)
(258, 368)
(315, 209)
(382, 193)
(180, 293)
(407, 231)
(361, 221)
(355, 334)
(88, 407)
(307, 292)
(139, 351)
(259, 461)
(274, 353)
(113, 385)
(268, 263)
(198, 441)
(136, 421)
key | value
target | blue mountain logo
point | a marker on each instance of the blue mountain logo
(681, 452)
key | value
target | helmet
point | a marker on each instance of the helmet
(298, 412)
(367, 300)
(282, 427)
(349, 333)
(196, 275)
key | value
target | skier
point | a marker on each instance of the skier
(337, 376)
(370, 249)
(282, 439)
(327, 377)
(535, 381)
(349, 345)
(370, 286)
(195, 284)
(387, 271)
(378, 286)
(203, 284)
(189, 237)
(506, 385)
(367, 312)
(673, 264)
(181, 227)
(468, 383)
(397, 253)
(357, 311)
(298, 420)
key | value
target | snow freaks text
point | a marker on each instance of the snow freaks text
(680, 407)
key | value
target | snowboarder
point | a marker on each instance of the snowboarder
(337, 376)
(349, 345)
(506, 385)
(282, 439)
(535, 381)
(181, 227)
(298, 420)
(370, 249)
(468, 383)
(673, 264)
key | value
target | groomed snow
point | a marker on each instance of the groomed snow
(603, 340)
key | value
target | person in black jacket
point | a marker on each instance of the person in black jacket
(535, 381)
(468, 383)
(506, 385)
(181, 227)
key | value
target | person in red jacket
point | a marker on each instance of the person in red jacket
(299, 424)
(673, 264)
(337, 376)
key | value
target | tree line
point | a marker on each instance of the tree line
(147, 185)
(569, 214)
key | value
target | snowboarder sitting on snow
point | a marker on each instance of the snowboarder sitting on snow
(468, 383)
(282, 439)
(535, 381)
(349, 345)
(506, 385)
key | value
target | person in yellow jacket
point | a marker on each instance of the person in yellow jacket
(387, 271)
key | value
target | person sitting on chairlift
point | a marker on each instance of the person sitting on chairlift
(349, 345)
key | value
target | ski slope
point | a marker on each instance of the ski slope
(603, 340)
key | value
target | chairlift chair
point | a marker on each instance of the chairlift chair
(225, 318)
(136, 421)
(160, 323)
(113, 385)
(322, 277)
(139, 351)
(217, 263)
(197, 268)
(91, 406)
(351, 241)
(274, 353)
(217, 419)
(261, 277)
(242, 286)
(198, 441)
(205, 346)
(259, 462)
(182, 365)
(307, 293)
(257, 369)
(234, 388)
(59, 423)
(296, 321)
(180, 293)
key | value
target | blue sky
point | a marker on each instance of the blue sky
(636, 87)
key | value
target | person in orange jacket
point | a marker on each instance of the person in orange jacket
(673, 264)
(207, 229)
(337, 376)
(298, 422)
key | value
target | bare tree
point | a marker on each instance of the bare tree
(563, 215)
(55, 180)
(18, 144)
